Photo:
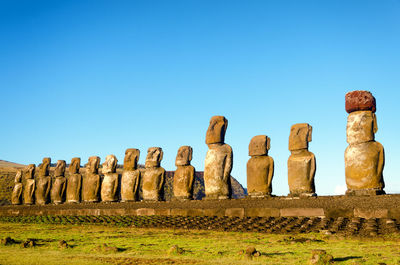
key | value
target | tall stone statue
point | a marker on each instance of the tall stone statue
(154, 175)
(17, 191)
(364, 157)
(74, 182)
(43, 182)
(58, 187)
(91, 180)
(109, 185)
(260, 168)
(184, 174)
(29, 186)
(218, 162)
(301, 163)
(130, 176)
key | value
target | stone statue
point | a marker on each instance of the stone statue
(301, 163)
(109, 185)
(184, 174)
(43, 182)
(91, 180)
(260, 168)
(58, 187)
(130, 176)
(74, 181)
(29, 187)
(364, 157)
(218, 162)
(17, 191)
(154, 175)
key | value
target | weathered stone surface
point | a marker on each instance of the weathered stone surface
(302, 212)
(59, 184)
(17, 191)
(131, 175)
(91, 180)
(301, 163)
(110, 181)
(218, 162)
(74, 182)
(184, 174)
(43, 182)
(29, 187)
(364, 157)
(260, 167)
(360, 100)
(154, 175)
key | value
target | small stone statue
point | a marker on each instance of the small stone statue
(184, 174)
(364, 157)
(110, 181)
(91, 180)
(17, 191)
(301, 163)
(260, 168)
(218, 162)
(74, 181)
(58, 187)
(43, 182)
(130, 176)
(154, 175)
(29, 187)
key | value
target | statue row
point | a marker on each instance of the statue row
(91, 187)
(364, 162)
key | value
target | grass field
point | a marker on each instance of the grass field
(127, 245)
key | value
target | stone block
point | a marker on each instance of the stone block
(302, 212)
(371, 213)
(261, 212)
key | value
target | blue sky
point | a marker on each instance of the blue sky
(82, 78)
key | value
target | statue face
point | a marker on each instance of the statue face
(216, 130)
(184, 156)
(93, 165)
(45, 166)
(110, 165)
(361, 127)
(300, 136)
(131, 159)
(154, 157)
(30, 171)
(259, 145)
(60, 168)
(18, 176)
(75, 165)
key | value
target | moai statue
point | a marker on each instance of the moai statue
(58, 187)
(43, 182)
(260, 168)
(91, 180)
(17, 191)
(154, 175)
(110, 181)
(74, 181)
(184, 174)
(130, 176)
(29, 187)
(364, 157)
(301, 162)
(218, 162)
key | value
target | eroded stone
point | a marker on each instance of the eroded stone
(74, 182)
(91, 180)
(17, 190)
(360, 100)
(110, 181)
(43, 182)
(154, 175)
(29, 186)
(131, 175)
(59, 184)
(184, 174)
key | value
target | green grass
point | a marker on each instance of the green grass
(150, 246)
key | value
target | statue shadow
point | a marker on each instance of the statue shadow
(347, 258)
(276, 253)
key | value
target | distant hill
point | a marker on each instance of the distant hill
(6, 164)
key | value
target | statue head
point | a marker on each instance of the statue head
(44, 167)
(110, 165)
(184, 156)
(60, 168)
(300, 136)
(154, 157)
(30, 171)
(259, 145)
(360, 100)
(18, 176)
(361, 127)
(75, 165)
(92, 166)
(131, 158)
(216, 130)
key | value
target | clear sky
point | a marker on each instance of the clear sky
(83, 78)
